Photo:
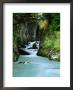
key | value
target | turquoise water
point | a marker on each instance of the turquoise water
(37, 66)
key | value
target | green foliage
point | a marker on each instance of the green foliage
(57, 41)
(52, 41)
(55, 22)
(54, 26)
(51, 46)
(43, 24)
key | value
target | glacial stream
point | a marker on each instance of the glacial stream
(35, 66)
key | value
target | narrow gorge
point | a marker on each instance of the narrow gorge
(36, 44)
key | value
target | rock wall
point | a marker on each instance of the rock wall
(25, 33)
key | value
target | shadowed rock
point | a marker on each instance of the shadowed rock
(22, 52)
(23, 62)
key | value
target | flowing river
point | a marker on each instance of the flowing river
(35, 66)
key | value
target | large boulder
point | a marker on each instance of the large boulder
(34, 46)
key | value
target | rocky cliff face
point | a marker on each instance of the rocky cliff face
(27, 32)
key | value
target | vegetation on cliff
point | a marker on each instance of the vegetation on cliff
(50, 36)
